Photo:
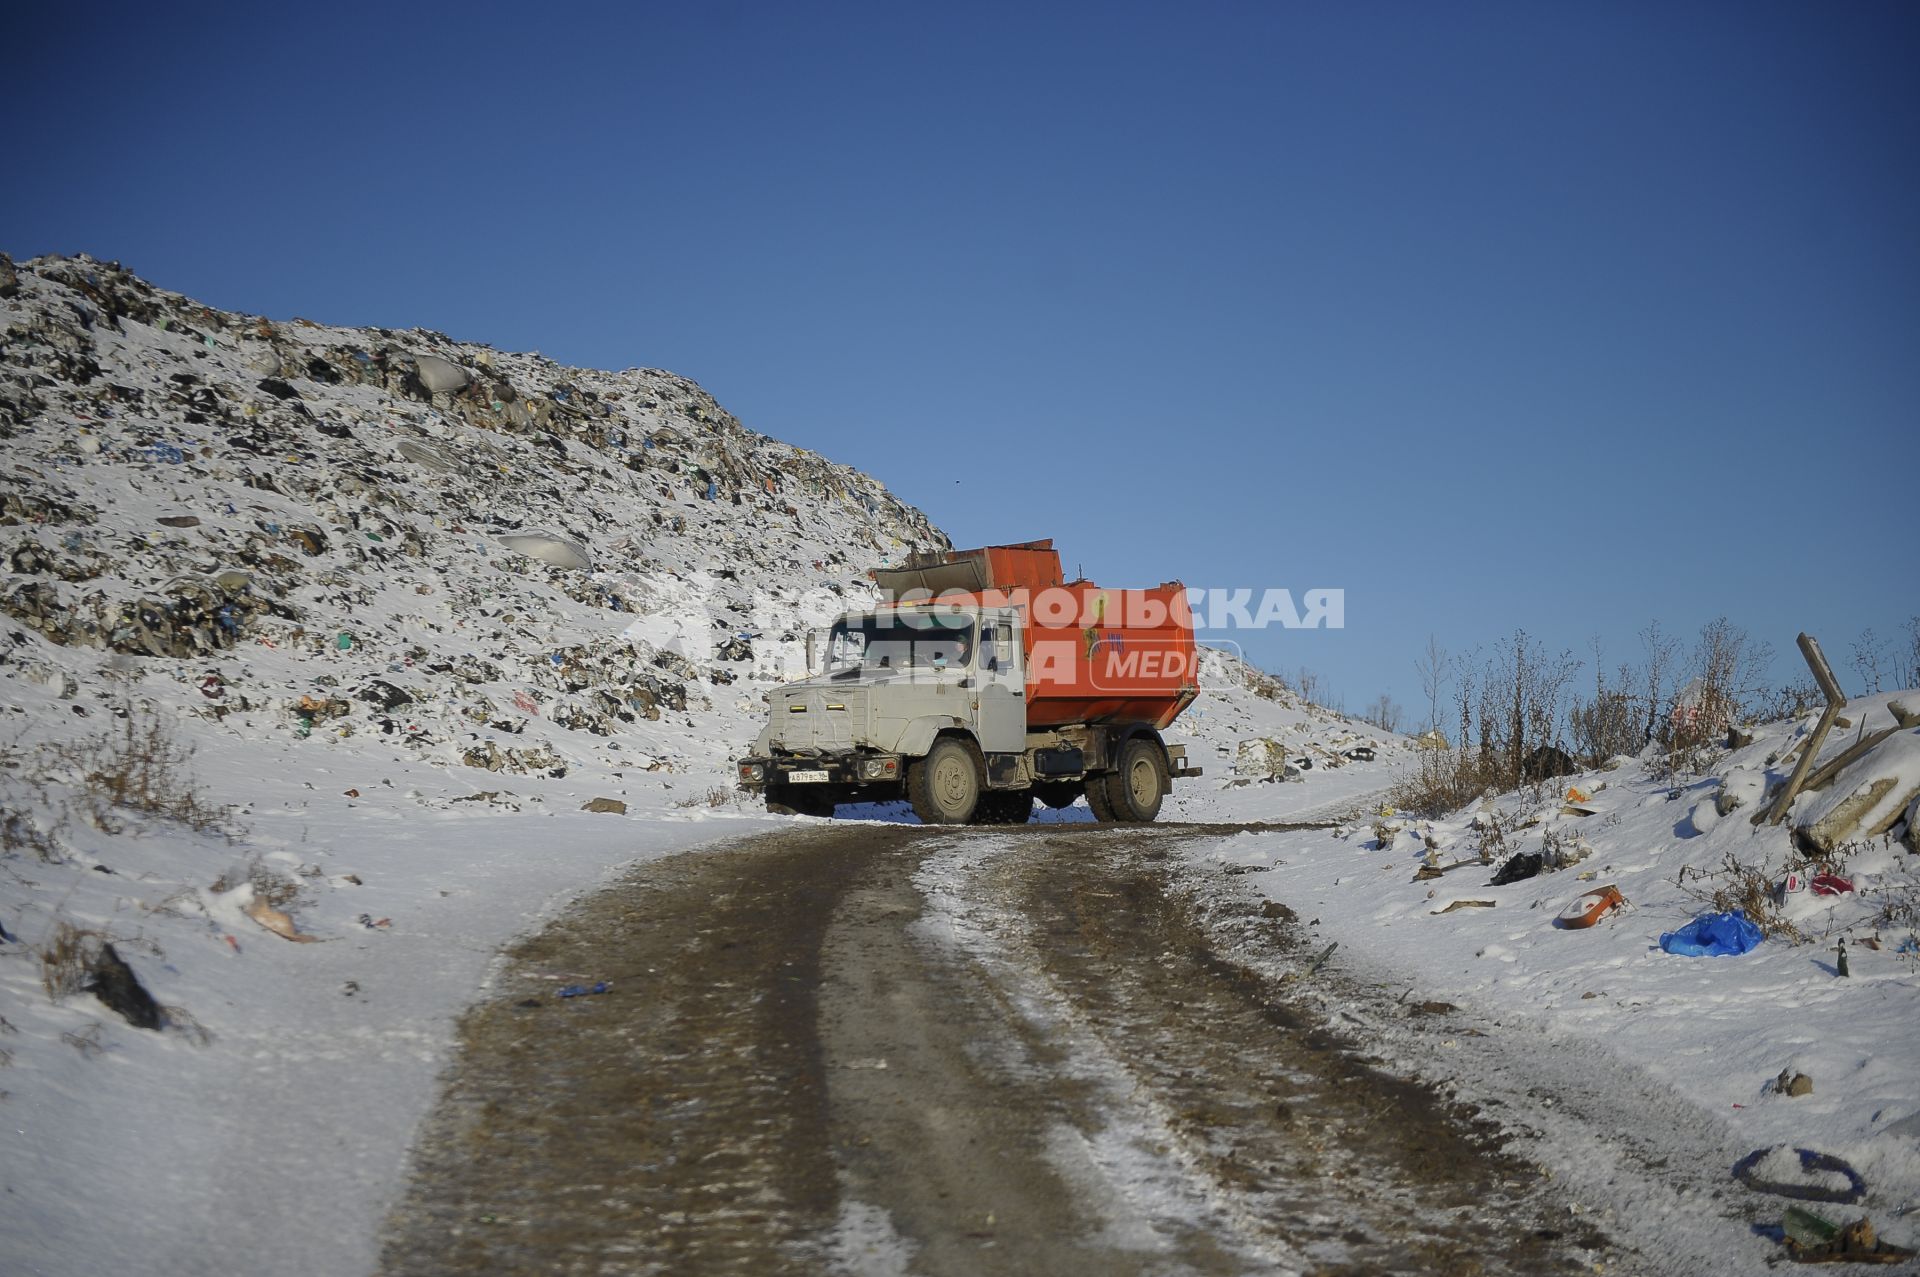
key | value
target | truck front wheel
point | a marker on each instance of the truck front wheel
(944, 787)
(1134, 790)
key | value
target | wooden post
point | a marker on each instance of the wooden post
(1836, 701)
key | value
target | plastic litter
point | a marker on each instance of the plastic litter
(1525, 865)
(1713, 935)
(1828, 884)
(1813, 1240)
(1590, 908)
(585, 990)
(1745, 1170)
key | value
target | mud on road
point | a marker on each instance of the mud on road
(879, 1049)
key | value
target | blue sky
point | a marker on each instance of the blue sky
(1548, 315)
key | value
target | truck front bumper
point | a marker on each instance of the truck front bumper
(757, 773)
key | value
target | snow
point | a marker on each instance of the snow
(1891, 770)
(1714, 1033)
(265, 1129)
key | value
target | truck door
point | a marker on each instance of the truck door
(1000, 686)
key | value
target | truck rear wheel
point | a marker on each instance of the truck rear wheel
(944, 787)
(1133, 791)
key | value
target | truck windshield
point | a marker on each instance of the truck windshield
(921, 640)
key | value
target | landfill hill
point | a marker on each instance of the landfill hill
(486, 558)
(403, 546)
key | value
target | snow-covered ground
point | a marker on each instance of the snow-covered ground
(409, 631)
(1716, 1033)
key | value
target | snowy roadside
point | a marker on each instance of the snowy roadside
(266, 1128)
(1672, 1061)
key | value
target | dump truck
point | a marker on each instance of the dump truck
(980, 682)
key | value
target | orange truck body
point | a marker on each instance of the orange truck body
(1094, 654)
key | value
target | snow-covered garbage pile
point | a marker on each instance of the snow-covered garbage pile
(484, 558)
(1869, 788)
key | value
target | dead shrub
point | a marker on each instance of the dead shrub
(270, 885)
(67, 959)
(718, 796)
(1748, 888)
(138, 765)
(27, 822)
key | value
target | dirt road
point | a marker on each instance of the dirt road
(877, 1049)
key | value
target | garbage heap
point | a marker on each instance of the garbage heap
(496, 559)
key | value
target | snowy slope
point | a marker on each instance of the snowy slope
(412, 603)
(1672, 1061)
(346, 591)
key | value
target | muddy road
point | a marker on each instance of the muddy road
(878, 1049)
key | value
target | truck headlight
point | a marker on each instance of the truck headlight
(753, 771)
(878, 768)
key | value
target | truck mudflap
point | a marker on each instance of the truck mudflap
(1177, 763)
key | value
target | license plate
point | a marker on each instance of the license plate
(801, 778)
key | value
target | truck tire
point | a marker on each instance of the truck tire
(794, 800)
(1097, 800)
(1135, 789)
(945, 786)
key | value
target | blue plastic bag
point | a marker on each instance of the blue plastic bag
(1713, 935)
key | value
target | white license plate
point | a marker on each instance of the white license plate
(801, 778)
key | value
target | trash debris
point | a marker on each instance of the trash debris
(1518, 868)
(1829, 884)
(1819, 1175)
(277, 921)
(1809, 1239)
(1464, 904)
(561, 552)
(440, 376)
(1840, 958)
(585, 990)
(110, 979)
(1793, 1084)
(1590, 908)
(1713, 935)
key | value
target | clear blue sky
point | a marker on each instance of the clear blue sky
(1555, 315)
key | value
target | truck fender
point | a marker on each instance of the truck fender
(918, 737)
(1146, 733)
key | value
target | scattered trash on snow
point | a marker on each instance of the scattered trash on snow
(1809, 1239)
(1588, 909)
(277, 921)
(1800, 1173)
(1713, 935)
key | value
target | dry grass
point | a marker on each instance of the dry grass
(27, 822)
(138, 765)
(718, 796)
(1745, 887)
(67, 957)
(270, 886)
